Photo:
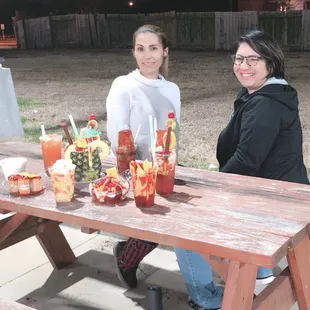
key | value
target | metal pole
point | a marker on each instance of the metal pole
(154, 296)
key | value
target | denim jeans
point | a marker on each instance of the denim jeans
(197, 275)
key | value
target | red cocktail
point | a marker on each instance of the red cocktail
(51, 146)
(143, 175)
(165, 173)
(125, 151)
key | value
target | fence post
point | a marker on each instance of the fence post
(50, 20)
(108, 31)
(25, 33)
(90, 31)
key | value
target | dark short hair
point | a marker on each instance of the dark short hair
(264, 45)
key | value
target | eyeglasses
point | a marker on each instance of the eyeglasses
(251, 61)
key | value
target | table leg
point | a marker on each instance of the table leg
(218, 264)
(56, 246)
(299, 264)
(278, 295)
(3, 211)
(7, 228)
(240, 285)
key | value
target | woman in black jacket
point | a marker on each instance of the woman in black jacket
(263, 139)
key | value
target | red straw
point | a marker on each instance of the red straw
(166, 153)
(65, 128)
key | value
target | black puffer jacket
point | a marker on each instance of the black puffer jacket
(264, 136)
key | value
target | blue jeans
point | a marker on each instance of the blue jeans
(197, 275)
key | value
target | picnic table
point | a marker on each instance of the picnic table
(237, 223)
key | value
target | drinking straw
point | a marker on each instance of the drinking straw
(90, 155)
(43, 130)
(65, 129)
(155, 132)
(152, 135)
(76, 133)
(166, 153)
(136, 135)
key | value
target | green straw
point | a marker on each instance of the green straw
(76, 133)
(152, 136)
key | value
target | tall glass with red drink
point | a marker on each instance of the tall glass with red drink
(165, 173)
(51, 146)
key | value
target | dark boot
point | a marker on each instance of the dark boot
(195, 306)
(127, 255)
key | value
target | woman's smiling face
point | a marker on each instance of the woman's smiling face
(149, 53)
(250, 68)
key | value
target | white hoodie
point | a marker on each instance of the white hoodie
(132, 98)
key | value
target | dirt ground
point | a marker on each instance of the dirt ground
(77, 82)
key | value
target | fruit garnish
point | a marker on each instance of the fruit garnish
(112, 172)
(171, 114)
(140, 171)
(92, 124)
(171, 122)
(147, 166)
(142, 174)
(81, 143)
(67, 152)
(173, 140)
(102, 147)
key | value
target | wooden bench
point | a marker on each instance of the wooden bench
(251, 222)
(12, 305)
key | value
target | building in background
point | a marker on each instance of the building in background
(273, 5)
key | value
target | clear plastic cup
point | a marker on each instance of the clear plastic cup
(51, 146)
(62, 178)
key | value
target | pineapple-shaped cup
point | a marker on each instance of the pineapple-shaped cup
(87, 159)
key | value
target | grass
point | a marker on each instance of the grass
(24, 102)
(32, 132)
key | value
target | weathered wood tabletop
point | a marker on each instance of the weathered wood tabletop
(250, 221)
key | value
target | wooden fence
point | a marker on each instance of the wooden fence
(210, 31)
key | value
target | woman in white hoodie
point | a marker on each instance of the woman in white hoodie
(131, 99)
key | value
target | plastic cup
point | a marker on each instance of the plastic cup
(51, 146)
(165, 173)
(63, 183)
(13, 165)
(123, 158)
(144, 188)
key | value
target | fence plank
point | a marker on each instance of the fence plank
(167, 22)
(65, 30)
(230, 25)
(38, 33)
(103, 31)
(20, 32)
(305, 30)
(284, 27)
(122, 27)
(195, 30)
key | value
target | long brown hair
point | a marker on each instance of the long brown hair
(163, 70)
